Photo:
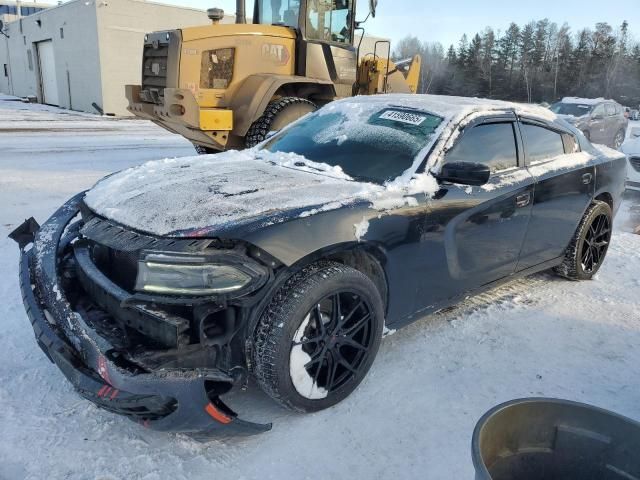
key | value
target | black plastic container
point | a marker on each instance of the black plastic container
(548, 439)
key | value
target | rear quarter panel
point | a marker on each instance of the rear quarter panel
(611, 172)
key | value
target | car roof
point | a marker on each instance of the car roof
(586, 101)
(450, 107)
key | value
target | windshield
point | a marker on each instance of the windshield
(278, 12)
(575, 109)
(374, 145)
(329, 20)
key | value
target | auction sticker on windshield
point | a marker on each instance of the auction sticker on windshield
(404, 117)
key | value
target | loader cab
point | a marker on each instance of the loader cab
(325, 36)
(327, 21)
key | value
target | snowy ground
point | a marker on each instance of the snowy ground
(412, 417)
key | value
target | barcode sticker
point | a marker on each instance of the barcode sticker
(404, 117)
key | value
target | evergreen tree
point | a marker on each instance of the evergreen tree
(538, 62)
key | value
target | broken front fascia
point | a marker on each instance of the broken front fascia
(178, 397)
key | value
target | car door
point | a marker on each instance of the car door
(473, 235)
(612, 124)
(597, 124)
(561, 194)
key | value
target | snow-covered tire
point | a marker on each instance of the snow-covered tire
(279, 344)
(594, 232)
(276, 116)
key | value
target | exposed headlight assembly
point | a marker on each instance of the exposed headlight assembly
(193, 275)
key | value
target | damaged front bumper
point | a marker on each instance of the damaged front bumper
(173, 400)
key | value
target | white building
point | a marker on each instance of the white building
(79, 55)
(10, 10)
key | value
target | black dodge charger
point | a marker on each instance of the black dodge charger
(169, 284)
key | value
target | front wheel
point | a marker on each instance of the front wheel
(277, 115)
(318, 338)
(590, 244)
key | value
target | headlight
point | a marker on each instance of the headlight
(217, 68)
(177, 274)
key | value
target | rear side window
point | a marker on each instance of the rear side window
(492, 144)
(541, 143)
(610, 109)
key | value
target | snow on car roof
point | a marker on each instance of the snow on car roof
(449, 107)
(583, 101)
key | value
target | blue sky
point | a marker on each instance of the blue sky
(446, 21)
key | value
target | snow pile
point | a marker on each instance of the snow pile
(361, 228)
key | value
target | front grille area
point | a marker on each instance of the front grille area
(635, 163)
(154, 67)
(159, 65)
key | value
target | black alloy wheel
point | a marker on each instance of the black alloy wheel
(318, 337)
(336, 336)
(596, 243)
(586, 252)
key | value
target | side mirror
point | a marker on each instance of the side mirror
(465, 173)
(373, 4)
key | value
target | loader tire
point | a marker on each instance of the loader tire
(277, 115)
(200, 150)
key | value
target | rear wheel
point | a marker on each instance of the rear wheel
(278, 115)
(589, 246)
(318, 338)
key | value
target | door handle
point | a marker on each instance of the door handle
(587, 178)
(523, 200)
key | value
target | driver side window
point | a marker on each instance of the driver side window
(329, 20)
(492, 144)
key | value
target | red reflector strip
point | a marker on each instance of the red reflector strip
(103, 390)
(217, 414)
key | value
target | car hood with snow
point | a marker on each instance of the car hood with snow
(186, 195)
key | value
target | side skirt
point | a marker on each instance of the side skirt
(488, 286)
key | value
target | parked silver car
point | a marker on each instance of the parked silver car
(602, 121)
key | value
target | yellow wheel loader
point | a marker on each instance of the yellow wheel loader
(229, 85)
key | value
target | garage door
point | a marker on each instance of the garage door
(47, 64)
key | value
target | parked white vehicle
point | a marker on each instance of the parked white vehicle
(632, 148)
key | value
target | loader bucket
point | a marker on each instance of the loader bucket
(544, 439)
